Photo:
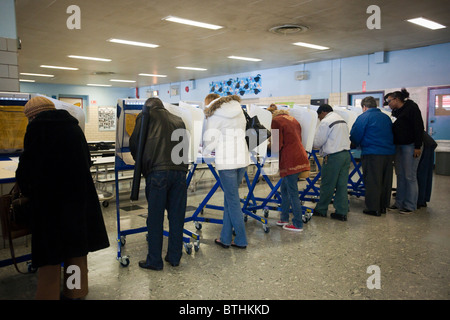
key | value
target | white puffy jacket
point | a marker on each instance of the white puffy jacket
(225, 133)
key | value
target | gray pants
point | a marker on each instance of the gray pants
(377, 175)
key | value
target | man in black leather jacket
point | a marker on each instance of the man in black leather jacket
(164, 166)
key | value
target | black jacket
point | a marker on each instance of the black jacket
(428, 141)
(159, 146)
(54, 172)
(408, 127)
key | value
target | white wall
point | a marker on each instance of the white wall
(95, 97)
(419, 67)
(414, 69)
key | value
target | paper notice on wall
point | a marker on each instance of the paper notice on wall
(106, 119)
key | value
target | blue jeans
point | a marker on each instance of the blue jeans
(165, 190)
(291, 198)
(233, 218)
(406, 171)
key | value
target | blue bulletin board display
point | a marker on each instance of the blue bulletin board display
(237, 86)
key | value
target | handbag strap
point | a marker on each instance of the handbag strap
(11, 246)
(13, 256)
(247, 117)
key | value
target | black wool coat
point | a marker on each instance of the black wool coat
(66, 219)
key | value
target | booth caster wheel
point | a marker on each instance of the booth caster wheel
(266, 213)
(188, 248)
(198, 225)
(124, 261)
(197, 246)
(266, 228)
(30, 268)
(123, 241)
(105, 204)
(306, 217)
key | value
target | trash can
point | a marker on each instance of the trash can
(442, 157)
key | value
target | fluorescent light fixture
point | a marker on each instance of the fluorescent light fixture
(427, 23)
(118, 80)
(56, 67)
(89, 58)
(192, 23)
(190, 68)
(152, 75)
(309, 45)
(26, 80)
(37, 74)
(98, 85)
(134, 43)
(245, 58)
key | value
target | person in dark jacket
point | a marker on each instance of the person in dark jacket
(165, 171)
(372, 131)
(425, 170)
(408, 136)
(66, 221)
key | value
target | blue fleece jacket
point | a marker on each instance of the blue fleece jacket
(372, 131)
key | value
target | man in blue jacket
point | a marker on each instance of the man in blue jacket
(372, 131)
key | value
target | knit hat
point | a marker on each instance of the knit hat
(36, 105)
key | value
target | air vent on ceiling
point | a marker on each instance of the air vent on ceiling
(103, 73)
(288, 29)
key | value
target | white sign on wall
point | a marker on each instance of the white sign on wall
(106, 118)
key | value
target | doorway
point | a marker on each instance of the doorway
(438, 125)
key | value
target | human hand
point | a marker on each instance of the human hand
(417, 153)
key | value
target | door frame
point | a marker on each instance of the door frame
(428, 101)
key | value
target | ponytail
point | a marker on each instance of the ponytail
(401, 95)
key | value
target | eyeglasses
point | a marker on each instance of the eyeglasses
(389, 100)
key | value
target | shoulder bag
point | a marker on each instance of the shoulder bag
(255, 133)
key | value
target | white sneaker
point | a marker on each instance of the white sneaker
(292, 228)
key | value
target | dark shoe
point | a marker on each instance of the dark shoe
(338, 216)
(217, 241)
(372, 213)
(405, 211)
(318, 214)
(172, 264)
(383, 210)
(143, 264)
(393, 207)
(236, 246)
(420, 205)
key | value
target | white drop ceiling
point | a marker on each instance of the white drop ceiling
(337, 24)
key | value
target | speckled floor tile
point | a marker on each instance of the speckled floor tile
(328, 260)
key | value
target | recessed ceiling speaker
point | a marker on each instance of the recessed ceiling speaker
(288, 29)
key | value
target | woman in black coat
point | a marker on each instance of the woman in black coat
(66, 219)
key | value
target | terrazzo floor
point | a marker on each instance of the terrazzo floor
(329, 260)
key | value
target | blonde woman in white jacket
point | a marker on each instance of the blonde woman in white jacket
(225, 134)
